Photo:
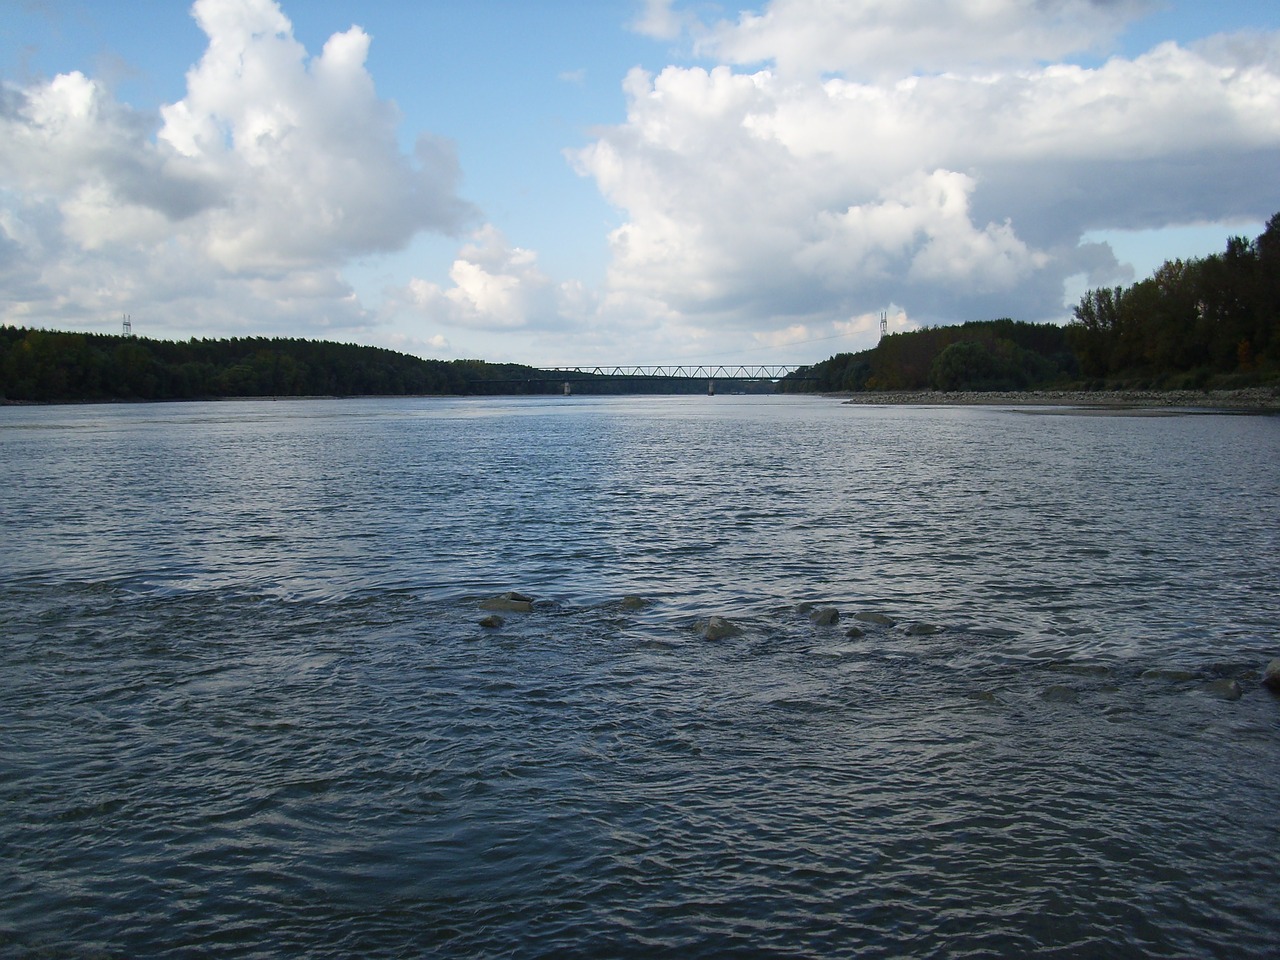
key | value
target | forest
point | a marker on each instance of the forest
(41, 366)
(1195, 324)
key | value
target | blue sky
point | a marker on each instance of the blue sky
(618, 181)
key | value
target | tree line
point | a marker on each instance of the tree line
(979, 355)
(1199, 323)
(1191, 322)
(51, 366)
(41, 365)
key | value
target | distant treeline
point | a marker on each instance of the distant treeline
(46, 366)
(42, 365)
(980, 355)
(1194, 324)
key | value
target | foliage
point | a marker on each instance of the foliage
(48, 366)
(980, 355)
(1192, 323)
(1192, 320)
(39, 365)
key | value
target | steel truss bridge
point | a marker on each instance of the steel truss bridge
(682, 371)
(710, 372)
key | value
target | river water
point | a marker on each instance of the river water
(247, 708)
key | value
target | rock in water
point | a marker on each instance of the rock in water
(878, 618)
(492, 622)
(632, 602)
(1060, 693)
(825, 616)
(511, 602)
(1169, 673)
(1225, 688)
(718, 628)
(1271, 676)
(922, 629)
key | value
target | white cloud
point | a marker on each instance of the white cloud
(894, 38)
(660, 20)
(311, 149)
(755, 201)
(254, 189)
(495, 287)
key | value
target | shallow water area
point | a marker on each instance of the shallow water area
(249, 708)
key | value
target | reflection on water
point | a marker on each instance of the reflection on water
(249, 709)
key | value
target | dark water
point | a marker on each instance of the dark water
(246, 707)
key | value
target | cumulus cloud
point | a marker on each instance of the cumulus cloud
(955, 176)
(894, 38)
(255, 188)
(309, 145)
(659, 19)
(495, 286)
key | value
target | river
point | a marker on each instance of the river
(248, 709)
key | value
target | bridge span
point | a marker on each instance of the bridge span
(711, 372)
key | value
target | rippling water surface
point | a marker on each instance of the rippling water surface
(247, 708)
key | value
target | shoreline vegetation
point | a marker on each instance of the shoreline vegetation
(1247, 400)
(1197, 334)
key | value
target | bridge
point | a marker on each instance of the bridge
(711, 372)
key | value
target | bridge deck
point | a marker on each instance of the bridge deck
(719, 371)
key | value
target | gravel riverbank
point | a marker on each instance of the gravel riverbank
(1255, 398)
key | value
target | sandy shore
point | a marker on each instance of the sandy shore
(1255, 398)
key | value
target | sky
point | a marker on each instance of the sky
(621, 181)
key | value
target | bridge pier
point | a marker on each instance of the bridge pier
(567, 390)
(711, 388)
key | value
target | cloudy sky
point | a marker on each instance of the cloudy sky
(618, 181)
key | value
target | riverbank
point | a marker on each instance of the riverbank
(1265, 399)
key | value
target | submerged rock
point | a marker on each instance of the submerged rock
(853, 633)
(511, 602)
(805, 606)
(1225, 688)
(825, 616)
(1271, 676)
(1060, 693)
(879, 618)
(492, 622)
(632, 602)
(718, 628)
(1081, 669)
(1169, 673)
(922, 629)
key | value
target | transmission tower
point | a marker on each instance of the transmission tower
(128, 326)
(884, 322)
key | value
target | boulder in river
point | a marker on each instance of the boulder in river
(1271, 676)
(825, 616)
(1060, 693)
(632, 602)
(922, 629)
(877, 618)
(1169, 673)
(1224, 687)
(718, 628)
(510, 602)
(492, 622)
